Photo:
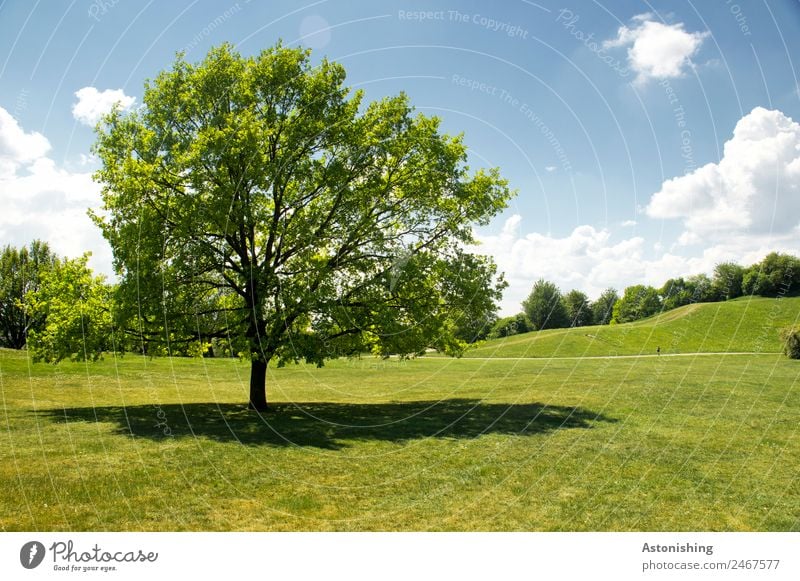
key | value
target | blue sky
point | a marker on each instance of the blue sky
(645, 139)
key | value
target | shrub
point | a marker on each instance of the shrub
(791, 342)
(511, 326)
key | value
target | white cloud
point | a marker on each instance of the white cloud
(550, 168)
(93, 104)
(591, 260)
(16, 146)
(689, 239)
(754, 189)
(657, 50)
(45, 201)
(587, 259)
(628, 223)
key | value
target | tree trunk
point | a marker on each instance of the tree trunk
(258, 385)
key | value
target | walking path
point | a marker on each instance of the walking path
(619, 356)
(649, 355)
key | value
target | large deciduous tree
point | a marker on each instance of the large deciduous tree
(258, 201)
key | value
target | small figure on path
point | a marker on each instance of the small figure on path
(658, 350)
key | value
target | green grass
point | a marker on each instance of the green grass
(741, 325)
(706, 443)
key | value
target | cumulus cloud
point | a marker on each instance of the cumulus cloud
(754, 189)
(16, 146)
(586, 259)
(591, 259)
(45, 201)
(93, 104)
(657, 50)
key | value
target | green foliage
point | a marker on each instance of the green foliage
(603, 307)
(778, 274)
(675, 293)
(702, 289)
(75, 306)
(579, 309)
(21, 271)
(473, 329)
(512, 325)
(544, 306)
(727, 281)
(790, 337)
(638, 301)
(256, 200)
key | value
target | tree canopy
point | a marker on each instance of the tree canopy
(258, 202)
(727, 281)
(579, 309)
(777, 274)
(544, 306)
(75, 307)
(603, 307)
(21, 271)
(638, 301)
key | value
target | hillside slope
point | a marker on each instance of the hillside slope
(747, 324)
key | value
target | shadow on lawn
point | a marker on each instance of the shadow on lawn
(330, 425)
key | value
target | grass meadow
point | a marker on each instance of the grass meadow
(695, 442)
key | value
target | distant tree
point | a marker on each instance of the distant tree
(603, 307)
(260, 200)
(544, 306)
(21, 271)
(579, 309)
(76, 307)
(777, 274)
(474, 328)
(675, 293)
(638, 301)
(727, 281)
(512, 325)
(701, 288)
(754, 282)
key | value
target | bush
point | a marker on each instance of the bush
(511, 326)
(791, 342)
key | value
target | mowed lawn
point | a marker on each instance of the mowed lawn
(746, 324)
(670, 443)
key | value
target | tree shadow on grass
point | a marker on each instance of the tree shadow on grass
(332, 425)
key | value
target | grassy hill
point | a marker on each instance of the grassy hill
(747, 324)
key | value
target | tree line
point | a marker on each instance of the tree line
(56, 305)
(547, 308)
